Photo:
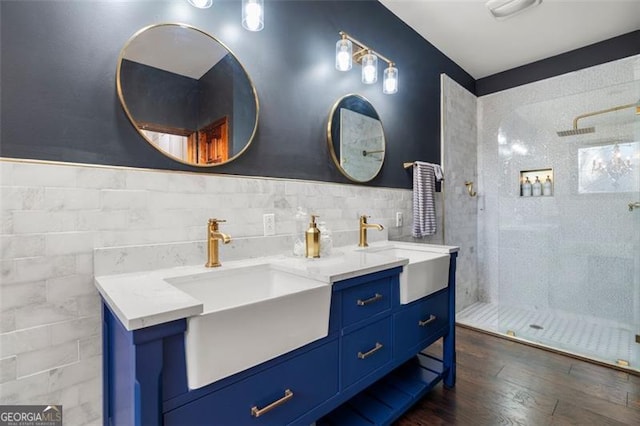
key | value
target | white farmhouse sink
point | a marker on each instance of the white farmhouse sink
(251, 314)
(426, 272)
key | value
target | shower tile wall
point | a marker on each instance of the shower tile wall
(54, 215)
(459, 158)
(560, 252)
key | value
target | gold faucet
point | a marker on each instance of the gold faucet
(363, 230)
(213, 235)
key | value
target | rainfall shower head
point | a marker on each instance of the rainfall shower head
(576, 131)
(585, 130)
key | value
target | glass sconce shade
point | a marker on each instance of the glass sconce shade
(368, 59)
(390, 80)
(344, 49)
(253, 14)
(369, 68)
(201, 4)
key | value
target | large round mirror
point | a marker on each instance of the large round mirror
(187, 94)
(356, 138)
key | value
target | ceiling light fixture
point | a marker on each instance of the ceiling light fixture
(201, 4)
(368, 59)
(503, 9)
(253, 14)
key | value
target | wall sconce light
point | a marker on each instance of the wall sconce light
(390, 80)
(344, 50)
(201, 4)
(368, 59)
(369, 68)
(253, 14)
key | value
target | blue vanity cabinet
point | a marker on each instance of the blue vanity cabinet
(365, 324)
(379, 394)
(367, 370)
(361, 301)
(365, 350)
(420, 323)
(275, 396)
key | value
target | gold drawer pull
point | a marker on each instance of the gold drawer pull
(257, 412)
(428, 321)
(375, 298)
(371, 352)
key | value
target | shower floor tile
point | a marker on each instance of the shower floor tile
(601, 340)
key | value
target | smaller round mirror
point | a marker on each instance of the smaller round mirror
(356, 138)
(187, 94)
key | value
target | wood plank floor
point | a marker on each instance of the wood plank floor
(503, 382)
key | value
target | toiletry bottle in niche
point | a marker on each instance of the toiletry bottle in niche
(312, 239)
(536, 188)
(526, 188)
(546, 187)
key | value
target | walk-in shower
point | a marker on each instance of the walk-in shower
(567, 265)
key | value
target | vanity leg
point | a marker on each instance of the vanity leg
(148, 409)
(449, 343)
(133, 363)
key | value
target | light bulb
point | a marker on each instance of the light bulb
(253, 15)
(343, 55)
(369, 68)
(390, 80)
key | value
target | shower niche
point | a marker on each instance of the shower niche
(536, 183)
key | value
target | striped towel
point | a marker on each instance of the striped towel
(424, 206)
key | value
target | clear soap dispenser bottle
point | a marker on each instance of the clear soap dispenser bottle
(312, 239)
(526, 188)
(536, 188)
(326, 242)
(299, 240)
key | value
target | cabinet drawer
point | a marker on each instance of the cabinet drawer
(418, 322)
(299, 384)
(365, 350)
(363, 301)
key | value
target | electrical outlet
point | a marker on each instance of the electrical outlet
(269, 222)
(398, 219)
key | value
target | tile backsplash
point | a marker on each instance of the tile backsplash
(55, 215)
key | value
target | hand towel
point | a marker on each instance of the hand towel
(424, 206)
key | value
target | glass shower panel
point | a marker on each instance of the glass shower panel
(570, 260)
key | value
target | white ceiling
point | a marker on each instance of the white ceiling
(163, 47)
(466, 32)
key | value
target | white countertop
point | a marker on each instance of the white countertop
(143, 299)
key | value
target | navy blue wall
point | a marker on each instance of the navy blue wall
(216, 94)
(159, 97)
(588, 56)
(59, 99)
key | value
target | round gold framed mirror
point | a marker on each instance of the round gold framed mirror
(187, 94)
(356, 138)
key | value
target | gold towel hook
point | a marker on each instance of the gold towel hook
(470, 190)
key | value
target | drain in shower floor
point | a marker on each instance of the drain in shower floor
(536, 326)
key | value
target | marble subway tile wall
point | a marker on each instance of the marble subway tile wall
(54, 215)
(459, 161)
(520, 240)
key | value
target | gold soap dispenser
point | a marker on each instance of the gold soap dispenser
(312, 239)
